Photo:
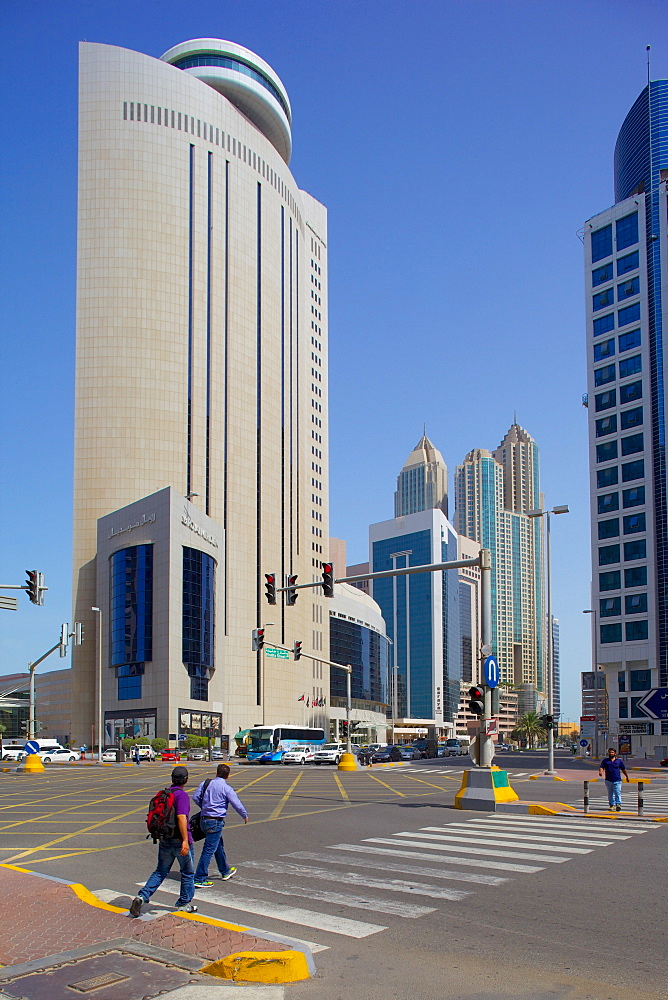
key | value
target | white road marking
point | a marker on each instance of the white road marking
(548, 828)
(406, 910)
(468, 862)
(524, 835)
(356, 879)
(293, 914)
(407, 869)
(491, 842)
(467, 850)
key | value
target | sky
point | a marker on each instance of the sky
(459, 148)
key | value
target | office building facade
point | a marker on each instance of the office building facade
(201, 367)
(626, 300)
(423, 482)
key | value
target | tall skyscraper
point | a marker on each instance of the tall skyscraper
(201, 367)
(422, 484)
(627, 298)
(493, 494)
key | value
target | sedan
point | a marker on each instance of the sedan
(59, 755)
(171, 755)
(301, 754)
(13, 753)
(197, 755)
(395, 753)
(219, 754)
(111, 755)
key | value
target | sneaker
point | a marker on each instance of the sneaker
(611, 809)
(619, 809)
(204, 883)
(136, 905)
(185, 907)
(228, 874)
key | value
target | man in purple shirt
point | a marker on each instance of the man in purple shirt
(612, 766)
(213, 798)
(180, 847)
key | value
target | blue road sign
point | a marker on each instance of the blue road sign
(32, 746)
(655, 704)
(584, 743)
(491, 671)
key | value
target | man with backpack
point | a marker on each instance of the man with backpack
(213, 797)
(167, 823)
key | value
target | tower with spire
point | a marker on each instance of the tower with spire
(422, 484)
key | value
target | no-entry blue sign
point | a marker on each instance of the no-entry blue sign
(491, 671)
(32, 746)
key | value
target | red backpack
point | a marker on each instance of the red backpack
(161, 819)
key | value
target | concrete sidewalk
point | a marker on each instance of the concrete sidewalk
(52, 925)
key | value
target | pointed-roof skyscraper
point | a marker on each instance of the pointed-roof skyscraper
(422, 484)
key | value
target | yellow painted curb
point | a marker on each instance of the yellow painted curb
(201, 919)
(260, 967)
(86, 896)
(555, 777)
(536, 810)
(16, 868)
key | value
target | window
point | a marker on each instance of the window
(630, 392)
(628, 263)
(634, 523)
(602, 274)
(601, 243)
(604, 349)
(607, 477)
(604, 400)
(611, 633)
(198, 609)
(608, 554)
(635, 632)
(606, 425)
(626, 231)
(606, 452)
(131, 605)
(608, 502)
(628, 288)
(610, 607)
(623, 708)
(630, 366)
(629, 340)
(637, 712)
(635, 604)
(129, 682)
(635, 550)
(631, 314)
(633, 470)
(604, 375)
(603, 299)
(604, 324)
(621, 680)
(608, 529)
(634, 497)
(610, 581)
(631, 418)
(199, 689)
(635, 577)
(632, 444)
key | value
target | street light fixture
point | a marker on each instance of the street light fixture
(563, 509)
(99, 684)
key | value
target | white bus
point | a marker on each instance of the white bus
(267, 744)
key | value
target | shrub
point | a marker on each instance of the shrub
(158, 744)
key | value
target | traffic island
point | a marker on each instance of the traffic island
(484, 789)
(32, 764)
(348, 762)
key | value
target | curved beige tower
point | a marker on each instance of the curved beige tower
(201, 364)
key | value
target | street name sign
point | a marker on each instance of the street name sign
(278, 654)
(655, 704)
(491, 671)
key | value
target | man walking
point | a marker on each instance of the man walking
(179, 847)
(612, 766)
(213, 798)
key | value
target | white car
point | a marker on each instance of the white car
(59, 755)
(146, 751)
(300, 754)
(329, 753)
(13, 753)
(111, 754)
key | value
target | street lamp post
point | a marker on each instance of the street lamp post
(394, 686)
(550, 665)
(264, 714)
(99, 683)
(592, 611)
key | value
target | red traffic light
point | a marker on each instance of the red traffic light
(328, 579)
(291, 594)
(297, 649)
(477, 700)
(270, 587)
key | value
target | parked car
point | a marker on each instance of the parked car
(664, 762)
(218, 753)
(48, 752)
(113, 755)
(59, 755)
(146, 751)
(197, 754)
(170, 755)
(13, 753)
(329, 753)
(395, 753)
(300, 754)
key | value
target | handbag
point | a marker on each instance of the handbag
(196, 831)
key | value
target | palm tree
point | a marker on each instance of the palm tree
(530, 728)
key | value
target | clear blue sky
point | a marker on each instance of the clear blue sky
(459, 147)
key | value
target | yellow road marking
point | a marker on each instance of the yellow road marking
(344, 793)
(68, 836)
(244, 787)
(83, 805)
(387, 786)
(277, 811)
(423, 782)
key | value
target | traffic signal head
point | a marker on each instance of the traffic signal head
(477, 701)
(32, 585)
(297, 649)
(291, 594)
(547, 721)
(328, 579)
(64, 638)
(270, 586)
(78, 633)
(258, 639)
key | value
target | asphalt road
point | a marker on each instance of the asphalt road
(402, 895)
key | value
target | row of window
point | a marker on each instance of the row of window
(634, 604)
(636, 711)
(608, 554)
(636, 576)
(629, 314)
(639, 680)
(633, 632)
(630, 471)
(627, 420)
(607, 451)
(605, 273)
(627, 289)
(627, 367)
(627, 394)
(626, 234)
(632, 524)
(606, 348)
(609, 502)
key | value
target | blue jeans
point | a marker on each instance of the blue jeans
(213, 846)
(614, 792)
(168, 850)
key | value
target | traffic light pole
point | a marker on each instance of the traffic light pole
(485, 742)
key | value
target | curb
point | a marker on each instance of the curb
(554, 777)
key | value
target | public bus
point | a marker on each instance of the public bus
(267, 744)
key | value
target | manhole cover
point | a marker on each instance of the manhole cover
(112, 975)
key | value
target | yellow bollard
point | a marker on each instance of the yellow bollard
(348, 762)
(33, 764)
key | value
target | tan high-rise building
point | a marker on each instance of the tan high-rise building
(201, 366)
(422, 484)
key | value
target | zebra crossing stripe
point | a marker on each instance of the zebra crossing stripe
(406, 869)
(357, 879)
(378, 905)
(524, 836)
(420, 855)
(492, 842)
(469, 850)
(546, 828)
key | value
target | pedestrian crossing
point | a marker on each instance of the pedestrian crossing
(357, 889)
(655, 801)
